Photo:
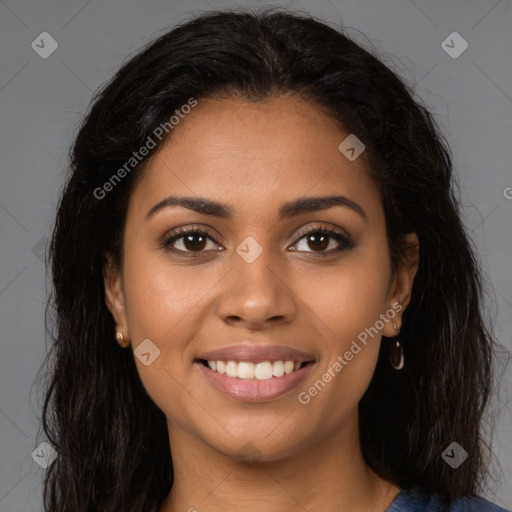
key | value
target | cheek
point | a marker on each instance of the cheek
(158, 300)
(160, 295)
(348, 304)
(348, 299)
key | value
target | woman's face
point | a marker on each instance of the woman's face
(256, 280)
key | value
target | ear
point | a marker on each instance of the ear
(114, 295)
(401, 286)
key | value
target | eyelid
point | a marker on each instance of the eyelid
(176, 233)
(325, 227)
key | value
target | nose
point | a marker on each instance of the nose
(255, 293)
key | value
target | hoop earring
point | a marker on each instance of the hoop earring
(396, 353)
(121, 340)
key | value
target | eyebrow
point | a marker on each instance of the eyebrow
(287, 210)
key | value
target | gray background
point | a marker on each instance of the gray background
(43, 100)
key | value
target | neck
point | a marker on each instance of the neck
(329, 476)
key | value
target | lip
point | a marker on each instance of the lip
(248, 351)
(254, 390)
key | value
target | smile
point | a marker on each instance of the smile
(263, 370)
(254, 382)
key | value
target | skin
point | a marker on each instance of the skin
(255, 157)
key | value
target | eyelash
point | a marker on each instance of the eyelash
(341, 237)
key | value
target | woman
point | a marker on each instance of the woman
(264, 295)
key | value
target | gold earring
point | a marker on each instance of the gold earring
(121, 339)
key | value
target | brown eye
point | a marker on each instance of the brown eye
(195, 241)
(319, 239)
(189, 240)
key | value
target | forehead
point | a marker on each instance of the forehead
(254, 155)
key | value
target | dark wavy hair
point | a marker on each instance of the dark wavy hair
(110, 437)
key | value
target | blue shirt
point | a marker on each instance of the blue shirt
(415, 501)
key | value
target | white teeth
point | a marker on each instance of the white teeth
(232, 369)
(245, 370)
(278, 368)
(288, 367)
(263, 371)
(260, 371)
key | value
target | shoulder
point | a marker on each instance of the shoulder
(416, 501)
(474, 504)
